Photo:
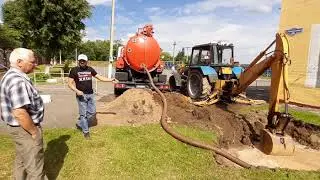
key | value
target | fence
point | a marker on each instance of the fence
(169, 64)
(57, 81)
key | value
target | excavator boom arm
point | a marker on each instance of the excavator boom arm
(278, 64)
(251, 74)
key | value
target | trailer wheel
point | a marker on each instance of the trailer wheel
(198, 87)
(117, 91)
(172, 83)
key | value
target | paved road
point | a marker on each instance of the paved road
(62, 112)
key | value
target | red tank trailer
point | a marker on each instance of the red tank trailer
(141, 50)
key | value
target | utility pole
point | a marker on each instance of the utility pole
(111, 41)
(60, 56)
(174, 47)
(186, 52)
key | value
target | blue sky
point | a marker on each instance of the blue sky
(249, 24)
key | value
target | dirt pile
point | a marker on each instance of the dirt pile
(138, 106)
(235, 128)
(135, 106)
(232, 130)
(304, 133)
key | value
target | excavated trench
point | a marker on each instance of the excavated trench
(235, 129)
(232, 130)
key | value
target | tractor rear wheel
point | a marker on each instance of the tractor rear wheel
(198, 86)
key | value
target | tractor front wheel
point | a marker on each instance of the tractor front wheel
(198, 86)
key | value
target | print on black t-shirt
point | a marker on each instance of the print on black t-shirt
(83, 78)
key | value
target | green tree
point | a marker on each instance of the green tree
(88, 48)
(180, 57)
(98, 50)
(9, 38)
(14, 17)
(165, 56)
(102, 50)
(47, 25)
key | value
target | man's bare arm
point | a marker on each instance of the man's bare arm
(105, 79)
(25, 121)
(72, 86)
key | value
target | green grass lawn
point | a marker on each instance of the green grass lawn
(144, 152)
(309, 117)
(298, 114)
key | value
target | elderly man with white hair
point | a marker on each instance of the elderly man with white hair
(22, 110)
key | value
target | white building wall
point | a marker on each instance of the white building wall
(313, 67)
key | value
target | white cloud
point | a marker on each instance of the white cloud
(249, 39)
(103, 33)
(198, 22)
(1, 3)
(206, 6)
(152, 9)
(123, 20)
(100, 33)
(99, 2)
(157, 11)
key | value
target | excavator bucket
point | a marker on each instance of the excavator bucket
(277, 145)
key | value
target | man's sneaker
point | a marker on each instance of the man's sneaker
(86, 135)
(78, 127)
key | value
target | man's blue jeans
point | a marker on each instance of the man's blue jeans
(87, 109)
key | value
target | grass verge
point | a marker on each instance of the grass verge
(144, 152)
(298, 114)
(306, 116)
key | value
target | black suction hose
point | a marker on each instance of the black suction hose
(186, 140)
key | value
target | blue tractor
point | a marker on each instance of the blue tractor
(210, 68)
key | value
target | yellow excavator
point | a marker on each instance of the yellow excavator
(212, 76)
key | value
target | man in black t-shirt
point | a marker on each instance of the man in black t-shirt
(80, 81)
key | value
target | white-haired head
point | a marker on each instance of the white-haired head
(20, 54)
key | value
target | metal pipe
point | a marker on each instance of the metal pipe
(174, 47)
(111, 41)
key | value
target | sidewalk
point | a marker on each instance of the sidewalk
(62, 112)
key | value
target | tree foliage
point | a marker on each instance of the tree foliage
(181, 57)
(98, 50)
(14, 18)
(9, 38)
(47, 25)
(165, 56)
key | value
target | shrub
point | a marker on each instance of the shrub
(66, 67)
(40, 77)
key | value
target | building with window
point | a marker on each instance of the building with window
(300, 20)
